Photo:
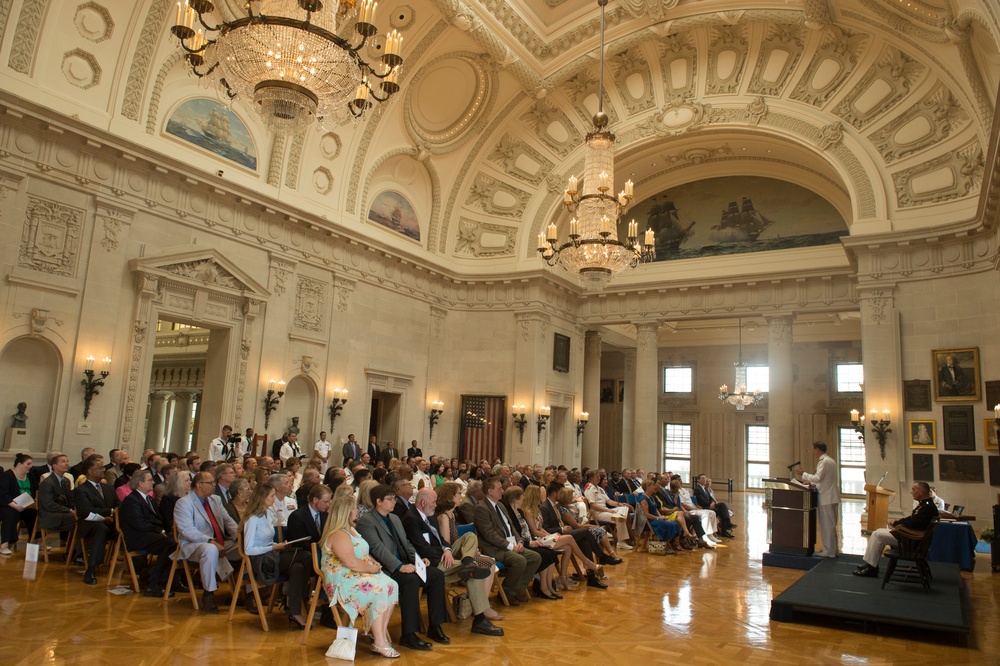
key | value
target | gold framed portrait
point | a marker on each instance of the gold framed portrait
(956, 373)
(923, 434)
(990, 433)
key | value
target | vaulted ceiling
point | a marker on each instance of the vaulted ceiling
(884, 108)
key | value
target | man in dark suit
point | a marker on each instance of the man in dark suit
(404, 490)
(351, 450)
(923, 515)
(56, 510)
(143, 530)
(389, 546)
(225, 474)
(497, 538)
(465, 511)
(80, 469)
(388, 453)
(309, 520)
(951, 379)
(310, 477)
(705, 499)
(95, 504)
(373, 449)
(36, 473)
(414, 451)
(455, 561)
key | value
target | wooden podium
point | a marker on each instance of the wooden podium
(876, 507)
(791, 517)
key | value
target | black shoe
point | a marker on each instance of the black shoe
(153, 591)
(733, 526)
(551, 597)
(437, 635)
(78, 562)
(470, 570)
(90, 578)
(486, 628)
(295, 624)
(592, 581)
(609, 560)
(867, 571)
(180, 586)
(728, 535)
(327, 620)
(413, 642)
(536, 587)
(209, 604)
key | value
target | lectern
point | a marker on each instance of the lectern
(876, 507)
(791, 517)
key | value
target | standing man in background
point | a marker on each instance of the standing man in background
(826, 482)
(321, 450)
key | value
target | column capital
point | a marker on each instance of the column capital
(779, 329)
(877, 303)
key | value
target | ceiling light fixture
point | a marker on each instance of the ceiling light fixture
(740, 397)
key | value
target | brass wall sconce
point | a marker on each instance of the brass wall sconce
(337, 405)
(437, 409)
(858, 421)
(271, 401)
(90, 384)
(880, 426)
(520, 420)
(581, 425)
(543, 417)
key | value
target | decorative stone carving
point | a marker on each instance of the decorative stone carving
(874, 305)
(727, 54)
(280, 270)
(698, 155)
(438, 316)
(330, 146)
(888, 81)
(142, 58)
(205, 271)
(472, 91)
(682, 47)
(816, 14)
(295, 161)
(520, 160)
(93, 22)
(928, 122)
(757, 111)
(840, 46)
(950, 176)
(50, 239)
(676, 117)
(582, 86)
(310, 304)
(627, 67)
(654, 9)
(552, 127)
(345, 289)
(784, 42)
(497, 198)
(779, 330)
(112, 221)
(831, 136)
(322, 181)
(499, 240)
(29, 23)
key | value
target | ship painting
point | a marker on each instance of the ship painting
(665, 222)
(740, 223)
(210, 126)
(217, 127)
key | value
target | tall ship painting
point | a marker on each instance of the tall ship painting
(740, 223)
(665, 222)
(217, 127)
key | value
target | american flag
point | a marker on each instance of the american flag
(482, 427)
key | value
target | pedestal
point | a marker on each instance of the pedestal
(791, 517)
(16, 439)
(876, 507)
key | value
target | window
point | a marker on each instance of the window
(677, 449)
(758, 455)
(758, 378)
(852, 462)
(850, 377)
(677, 380)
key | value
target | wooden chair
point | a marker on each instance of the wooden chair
(317, 557)
(45, 535)
(121, 546)
(187, 573)
(912, 547)
(497, 587)
(246, 575)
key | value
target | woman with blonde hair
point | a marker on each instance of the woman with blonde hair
(354, 579)
(365, 496)
(565, 499)
(564, 543)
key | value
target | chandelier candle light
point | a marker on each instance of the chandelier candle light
(593, 250)
(740, 397)
(286, 60)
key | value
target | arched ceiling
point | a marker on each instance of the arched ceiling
(882, 108)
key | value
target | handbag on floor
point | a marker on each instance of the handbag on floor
(344, 645)
(462, 606)
(657, 547)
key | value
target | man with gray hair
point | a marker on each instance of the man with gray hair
(473, 496)
(921, 518)
(284, 500)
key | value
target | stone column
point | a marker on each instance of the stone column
(592, 398)
(628, 411)
(157, 420)
(646, 436)
(181, 426)
(780, 413)
(197, 422)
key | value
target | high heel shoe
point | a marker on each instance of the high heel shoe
(385, 651)
(295, 624)
(566, 584)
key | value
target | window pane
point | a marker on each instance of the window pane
(758, 378)
(677, 380)
(850, 377)
(852, 447)
(680, 466)
(852, 480)
(756, 473)
(758, 444)
(676, 440)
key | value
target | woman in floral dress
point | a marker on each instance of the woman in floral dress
(355, 580)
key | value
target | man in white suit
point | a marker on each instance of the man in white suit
(206, 534)
(827, 483)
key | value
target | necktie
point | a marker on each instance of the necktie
(395, 537)
(506, 527)
(149, 503)
(64, 483)
(433, 531)
(211, 519)
(318, 528)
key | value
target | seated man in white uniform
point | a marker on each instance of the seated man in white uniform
(605, 509)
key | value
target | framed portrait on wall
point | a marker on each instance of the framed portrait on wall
(961, 468)
(990, 433)
(560, 353)
(957, 375)
(992, 394)
(923, 434)
(923, 467)
(607, 391)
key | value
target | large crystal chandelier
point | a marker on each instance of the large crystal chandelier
(740, 397)
(593, 250)
(286, 60)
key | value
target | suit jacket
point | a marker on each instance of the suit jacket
(388, 453)
(8, 487)
(373, 451)
(465, 511)
(111, 474)
(381, 544)
(54, 502)
(89, 499)
(76, 471)
(402, 507)
(414, 452)
(351, 450)
(701, 496)
(35, 475)
(166, 508)
(222, 498)
(490, 530)
(140, 522)
(301, 524)
(193, 526)
(427, 543)
(922, 515)
(550, 518)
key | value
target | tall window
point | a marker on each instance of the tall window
(852, 462)
(758, 455)
(758, 378)
(677, 380)
(850, 377)
(677, 449)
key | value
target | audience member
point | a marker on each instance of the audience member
(498, 539)
(207, 534)
(14, 482)
(95, 504)
(240, 490)
(142, 528)
(705, 497)
(919, 520)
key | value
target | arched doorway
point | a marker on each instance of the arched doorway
(31, 367)
(300, 400)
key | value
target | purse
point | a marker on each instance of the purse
(462, 606)
(342, 648)
(657, 547)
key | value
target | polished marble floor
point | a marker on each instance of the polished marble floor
(701, 607)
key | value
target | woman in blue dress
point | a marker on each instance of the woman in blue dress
(665, 530)
(354, 579)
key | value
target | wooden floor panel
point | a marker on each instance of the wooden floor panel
(695, 608)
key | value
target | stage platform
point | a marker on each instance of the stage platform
(830, 589)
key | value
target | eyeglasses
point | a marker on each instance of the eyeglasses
(206, 483)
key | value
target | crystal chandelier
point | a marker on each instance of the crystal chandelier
(740, 397)
(285, 59)
(593, 250)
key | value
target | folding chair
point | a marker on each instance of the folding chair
(317, 557)
(187, 574)
(246, 575)
(121, 546)
(45, 535)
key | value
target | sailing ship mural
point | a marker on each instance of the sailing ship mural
(394, 211)
(736, 214)
(212, 127)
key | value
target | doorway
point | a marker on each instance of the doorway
(385, 415)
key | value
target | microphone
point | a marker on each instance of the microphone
(796, 464)
(879, 484)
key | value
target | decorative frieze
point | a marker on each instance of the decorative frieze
(310, 304)
(50, 238)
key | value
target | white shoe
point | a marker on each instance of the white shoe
(708, 542)
(714, 538)
(623, 546)
(5, 550)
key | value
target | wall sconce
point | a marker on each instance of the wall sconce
(880, 426)
(581, 424)
(520, 420)
(437, 409)
(271, 401)
(858, 421)
(996, 414)
(337, 405)
(90, 385)
(543, 416)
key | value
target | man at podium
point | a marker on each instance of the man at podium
(826, 482)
